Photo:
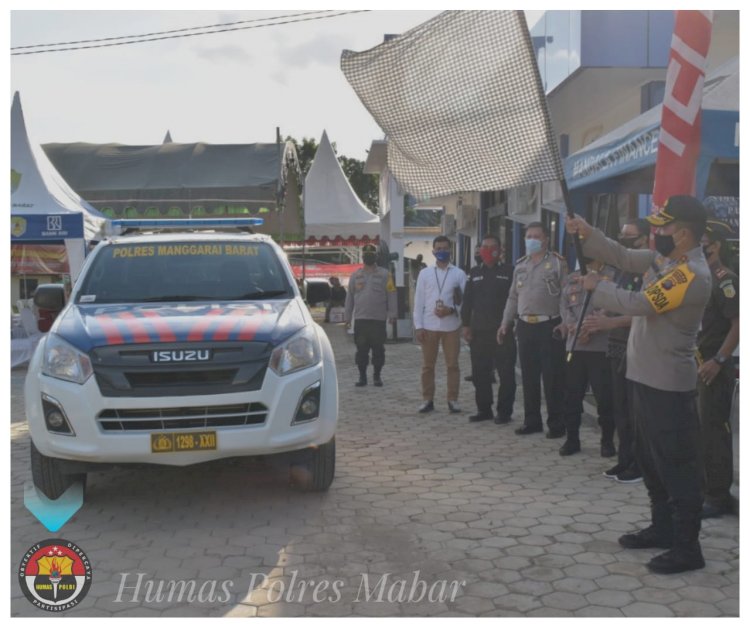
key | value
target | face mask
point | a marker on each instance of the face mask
(664, 244)
(628, 242)
(489, 254)
(533, 246)
(442, 256)
(369, 258)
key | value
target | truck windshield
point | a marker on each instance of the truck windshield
(184, 271)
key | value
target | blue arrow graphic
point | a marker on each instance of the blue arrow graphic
(53, 513)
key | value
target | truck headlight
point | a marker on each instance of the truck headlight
(299, 352)
(64, 361)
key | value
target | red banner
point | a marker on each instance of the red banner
(38, 259)
(680, 135)
(325, 270)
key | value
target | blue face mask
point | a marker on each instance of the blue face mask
(442, 256)
(533, 246)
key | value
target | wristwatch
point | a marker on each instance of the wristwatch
(719, 359)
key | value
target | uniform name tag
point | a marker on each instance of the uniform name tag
(669, 292)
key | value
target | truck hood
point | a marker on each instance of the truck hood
(90, 326)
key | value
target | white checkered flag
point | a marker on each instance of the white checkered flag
(461, 102)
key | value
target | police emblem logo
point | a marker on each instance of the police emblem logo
(17, 226)
(15, 180)
(55, 575)
(727, 287)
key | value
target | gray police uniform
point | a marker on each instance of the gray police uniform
(662, 371)
(370, 300)
(534, 298)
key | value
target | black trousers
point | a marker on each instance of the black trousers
(588, 367)
(369, 335)
(487, 355)
(716, 434)
(621, 406)
(541, 356)
(667, 435)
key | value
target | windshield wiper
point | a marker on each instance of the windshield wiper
(177, 297)
(260, 294)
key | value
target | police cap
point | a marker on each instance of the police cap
(369, 248)
(717, 231)
(680, 208)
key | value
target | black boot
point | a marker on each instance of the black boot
(685, 554)
(659, 534)
(571, 446)
(362, 378)
(376, 381)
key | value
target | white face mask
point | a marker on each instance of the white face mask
(533, 246)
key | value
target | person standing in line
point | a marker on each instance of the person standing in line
(534, 299)
(634, 234)
(481, 315)
(717, 340)
(662, 370)
(437, 300)
(370, 300)
(588, 364)
(477, 264)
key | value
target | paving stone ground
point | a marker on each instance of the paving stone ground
(428, 516)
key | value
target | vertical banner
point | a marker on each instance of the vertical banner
(680, 135)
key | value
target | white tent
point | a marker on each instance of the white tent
(332, 208)
(44, 209)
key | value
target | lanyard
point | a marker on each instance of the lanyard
(440, 286)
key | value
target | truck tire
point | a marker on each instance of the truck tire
(48, 476)
(314, 468)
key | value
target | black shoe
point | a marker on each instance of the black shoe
(629, 476)
(556, 433)
(426, 407)
(713, 509)
(502, 420)
(646, 538)
(614, 471)
(480, 416)
(608, 449)
(362, 381)
(570, 447)
(376, 381)
(677, 560)
(529, 429)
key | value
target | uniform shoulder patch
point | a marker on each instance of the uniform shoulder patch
(721, 272)
(669, 292)
(390, 286)
(727, 287)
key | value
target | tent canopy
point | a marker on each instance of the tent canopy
(332, 208)
(632, 147)
(43, 206)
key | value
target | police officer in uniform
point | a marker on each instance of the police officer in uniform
(717, 340)
(662, 370)
(588, 364)
(481, 314)
(371, 300)
(535, 299)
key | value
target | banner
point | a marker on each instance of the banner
(462, 104)
(313, 270)
(680, 135)
(38, 259)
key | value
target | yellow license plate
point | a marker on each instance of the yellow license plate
(169, 442)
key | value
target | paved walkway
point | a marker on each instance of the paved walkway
(492, 523)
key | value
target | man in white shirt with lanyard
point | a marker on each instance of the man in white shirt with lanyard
(437, 302)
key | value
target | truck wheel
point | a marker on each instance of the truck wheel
(313, 469)
(48, 476)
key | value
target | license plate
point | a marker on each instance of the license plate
(169, 442)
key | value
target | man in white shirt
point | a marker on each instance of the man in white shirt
(437, 301)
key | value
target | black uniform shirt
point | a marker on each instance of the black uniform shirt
(723, 306)
(485, 296)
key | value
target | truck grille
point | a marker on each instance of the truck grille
(127, 370)
(149, 419)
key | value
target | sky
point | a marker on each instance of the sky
(233, 87)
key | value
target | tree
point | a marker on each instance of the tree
(364, 185)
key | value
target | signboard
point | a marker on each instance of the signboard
(52, 227)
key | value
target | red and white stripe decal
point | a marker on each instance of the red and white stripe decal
(109, 326)
(198, 331)
(163, 330)
(136, 327)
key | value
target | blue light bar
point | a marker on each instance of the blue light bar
(187, 223)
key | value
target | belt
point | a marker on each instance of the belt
(536, 318)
